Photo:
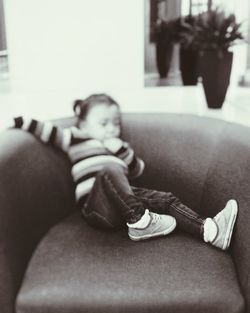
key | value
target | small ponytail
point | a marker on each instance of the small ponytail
(80, 108)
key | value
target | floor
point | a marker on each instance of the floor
(190, 100)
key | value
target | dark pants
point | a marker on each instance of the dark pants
(113, 202)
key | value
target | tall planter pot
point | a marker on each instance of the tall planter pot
(189, 66)
(164, 52)
(215, 71)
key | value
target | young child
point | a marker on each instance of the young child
(102, 165)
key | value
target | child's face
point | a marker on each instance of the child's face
(102, 122)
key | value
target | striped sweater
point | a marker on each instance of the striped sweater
(87, 155)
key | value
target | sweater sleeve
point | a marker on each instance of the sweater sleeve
(45, 131)
(124, 151)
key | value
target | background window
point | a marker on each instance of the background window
(3, 45)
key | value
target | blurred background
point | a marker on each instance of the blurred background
(188, 11)
(52, 52)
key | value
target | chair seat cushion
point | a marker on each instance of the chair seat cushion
(77, 268)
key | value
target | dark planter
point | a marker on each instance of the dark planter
(189, 66)
(215, 71)
(164, 52)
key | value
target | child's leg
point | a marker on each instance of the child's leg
(217, 231)
(166, 203)
(111, 197)
(114, 200)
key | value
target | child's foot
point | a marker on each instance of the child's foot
(224, 222)
(159, 225)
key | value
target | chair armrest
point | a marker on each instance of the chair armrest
(36, 191)
(241, 247)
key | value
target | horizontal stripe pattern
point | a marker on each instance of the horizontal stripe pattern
(82, 151)
(83, 188)
(45, 131)
(86, 166)
(87, 155)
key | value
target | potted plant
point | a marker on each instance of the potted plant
(166, 36)
(214, 33)
(188, 50)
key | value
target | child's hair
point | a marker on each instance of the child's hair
(82, 107)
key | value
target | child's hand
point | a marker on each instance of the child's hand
(113, 144)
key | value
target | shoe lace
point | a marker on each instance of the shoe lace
(155, 217)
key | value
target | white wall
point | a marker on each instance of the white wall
(75, 47)
(77, 44)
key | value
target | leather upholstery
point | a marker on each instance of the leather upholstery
(203, 161)
(78, 268)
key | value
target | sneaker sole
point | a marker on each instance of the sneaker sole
(230, 225)
(159, 234)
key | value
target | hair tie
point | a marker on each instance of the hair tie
(77, 107)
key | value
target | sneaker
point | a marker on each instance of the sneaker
(225, 221)
(159, 225)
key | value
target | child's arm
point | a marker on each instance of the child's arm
(123, 150)
(44, 131)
